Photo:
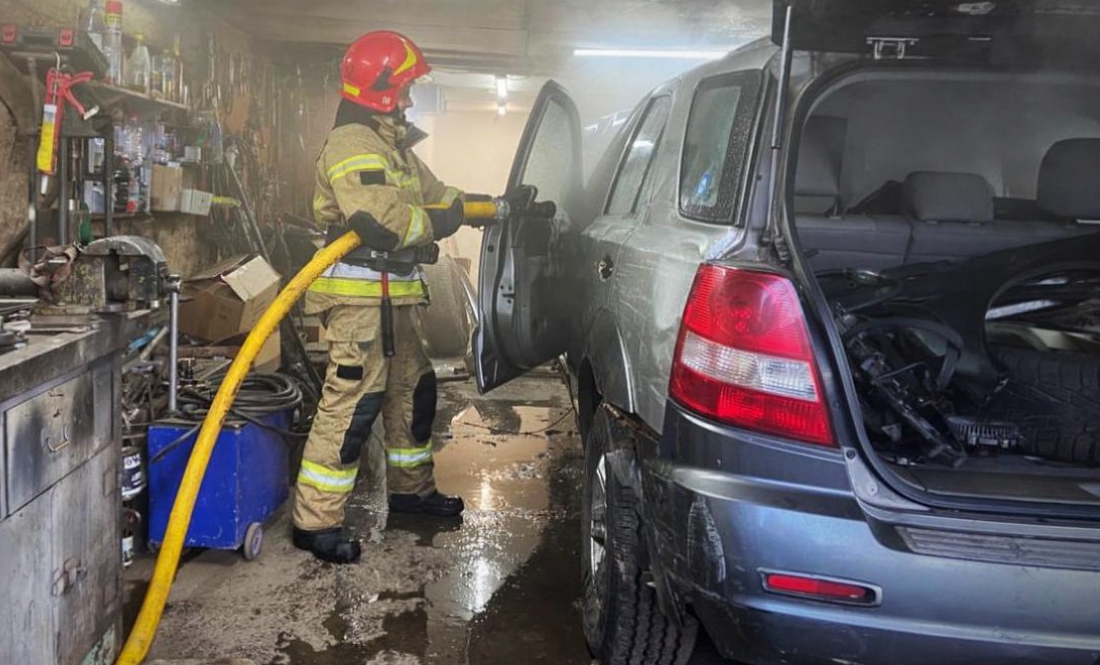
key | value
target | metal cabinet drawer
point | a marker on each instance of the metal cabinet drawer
(28, 632)
(54, 432)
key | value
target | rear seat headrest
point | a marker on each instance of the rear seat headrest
(817, 180)
(1067, 179)
(948, 197)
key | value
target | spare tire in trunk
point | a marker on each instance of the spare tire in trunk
(1054, 397)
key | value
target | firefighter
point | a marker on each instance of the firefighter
(369, 181)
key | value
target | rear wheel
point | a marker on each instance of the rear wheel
(622, 622)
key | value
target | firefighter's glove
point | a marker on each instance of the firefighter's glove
(446, 221)
(371, 233)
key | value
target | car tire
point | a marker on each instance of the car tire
(1054, 397)
(622, 621)
(446, 323)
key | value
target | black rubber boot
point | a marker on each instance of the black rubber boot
(327, 545)
(436, 504)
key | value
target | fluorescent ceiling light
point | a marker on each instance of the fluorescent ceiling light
(648, 53)
(502, 87)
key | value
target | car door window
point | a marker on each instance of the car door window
(718, 135)
(639, 156)
(552, 155)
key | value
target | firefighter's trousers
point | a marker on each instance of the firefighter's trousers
(361, 384)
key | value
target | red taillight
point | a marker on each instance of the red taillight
(8, 34)
(66, 37)
(744, 356)
(819, 589)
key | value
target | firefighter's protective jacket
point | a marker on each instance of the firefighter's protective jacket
(368, 167)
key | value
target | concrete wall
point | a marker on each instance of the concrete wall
(472, 150)
(15, 154)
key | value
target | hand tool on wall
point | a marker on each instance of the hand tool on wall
(59, 92)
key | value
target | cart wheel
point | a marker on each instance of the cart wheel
(253, 541)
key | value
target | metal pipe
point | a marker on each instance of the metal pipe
(109, 182)
(63, 193)
(784, 82)
(173, 343)
(32, 210)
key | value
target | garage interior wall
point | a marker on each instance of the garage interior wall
(472, 150)
(180, 236)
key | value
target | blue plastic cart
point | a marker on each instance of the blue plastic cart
(246, 482)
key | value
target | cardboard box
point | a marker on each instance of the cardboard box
(166, 188)
(228, 299)
(196, 202)
(271, 355)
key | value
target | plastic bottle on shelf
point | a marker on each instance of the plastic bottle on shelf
(93, 21)
(112, 42)
(164, 147)
(133, 153)
(140, 66)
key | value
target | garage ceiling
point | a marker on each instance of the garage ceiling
(503, 36)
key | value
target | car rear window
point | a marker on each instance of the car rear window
(717, 139)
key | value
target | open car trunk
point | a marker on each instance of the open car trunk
(964, 400)
(945, 217)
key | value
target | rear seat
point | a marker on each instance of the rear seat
(952, 216)
(953, 213)
(947, 216)
(832, 241)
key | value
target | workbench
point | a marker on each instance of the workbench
(60, 505)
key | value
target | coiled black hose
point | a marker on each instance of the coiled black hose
(261, 395)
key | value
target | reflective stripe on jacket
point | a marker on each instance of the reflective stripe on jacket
(362, 169)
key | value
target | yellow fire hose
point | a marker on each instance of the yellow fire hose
(141, 637)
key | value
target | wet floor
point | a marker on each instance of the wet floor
(500, 586)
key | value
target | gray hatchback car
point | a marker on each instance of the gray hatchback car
(831, 313)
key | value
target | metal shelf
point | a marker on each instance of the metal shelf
(99, 217)
(112, 97)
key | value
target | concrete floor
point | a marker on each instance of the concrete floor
(500, 586)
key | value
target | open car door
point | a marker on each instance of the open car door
(1029, 32)
(523, 300)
